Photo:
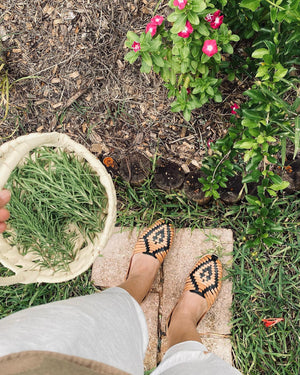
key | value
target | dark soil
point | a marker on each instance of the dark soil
(79, 84)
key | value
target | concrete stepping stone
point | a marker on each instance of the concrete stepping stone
(110, 270)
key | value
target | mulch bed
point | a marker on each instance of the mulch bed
(85, 89)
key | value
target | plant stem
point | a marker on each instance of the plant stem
(275, 5)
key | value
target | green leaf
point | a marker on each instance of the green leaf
(280, 72)
(273, 14)
(145, 68)
(255, 94)
(253, 200)
(203, 30)
(252, 177)
(210, 91)
(184, 66)
(179, 25)
(173, 17)
(251, 114)
(204, 58)
(234, 38)
(218, 98)
(133, 37)
(250, 4)
(146, 58)
(281, 186)
(228, 48)
(187, 114)
(193, 18)
(231, 76)
(185, 52)
(131, 56)
(194, 64)
(197, 90)
(157, 60)
(259, 53)
(165, 74)
(297, 136)
(255, 25)
(176, 107)
(199, 6)
(172, 77)
(261, 71)
(155, 44)
(276, 179)
(245, 144)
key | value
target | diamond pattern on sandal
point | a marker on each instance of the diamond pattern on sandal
(205, 279)
(155, 240)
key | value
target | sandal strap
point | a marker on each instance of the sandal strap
(156, 240)
(205, 279)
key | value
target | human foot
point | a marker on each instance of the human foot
(201, 289)
(149, 252)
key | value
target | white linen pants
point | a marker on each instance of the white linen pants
(107, 327)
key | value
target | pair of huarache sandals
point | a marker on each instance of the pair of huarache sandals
(204, 279)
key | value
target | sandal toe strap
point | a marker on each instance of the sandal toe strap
(156, 240)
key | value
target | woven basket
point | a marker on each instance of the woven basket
(26, 271)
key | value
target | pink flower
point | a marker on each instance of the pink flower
(180, 4)
(233, 108)
(152, 28)
(157, 20)
(216, 14)
(209, 17)
(187, 30)
(209, 142)
(215, 19)
(189, 91)
(217, 22)
(136, 46)
(210, 47)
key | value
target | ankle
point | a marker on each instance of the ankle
(190, 308)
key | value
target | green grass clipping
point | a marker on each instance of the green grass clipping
(55, 198)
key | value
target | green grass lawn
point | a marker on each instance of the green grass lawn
(265, 284)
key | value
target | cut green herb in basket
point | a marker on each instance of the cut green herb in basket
(57, 204)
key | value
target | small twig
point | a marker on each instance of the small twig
(52, 66)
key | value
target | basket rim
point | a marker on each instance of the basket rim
(12, 153)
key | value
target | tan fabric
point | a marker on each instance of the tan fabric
(50, 363)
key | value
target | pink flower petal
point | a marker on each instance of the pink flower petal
(209, 17)
(187, 30)
(151, 27)
(233, 108)
(216, 14)
(136, 46)
(157, 20)
(210, 47)
(180, 3)
(217, 22)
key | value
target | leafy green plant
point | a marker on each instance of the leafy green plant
(186, 51)
(256, 144)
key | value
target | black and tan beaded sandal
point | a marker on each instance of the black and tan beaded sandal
(205, 280)
(155, 241)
